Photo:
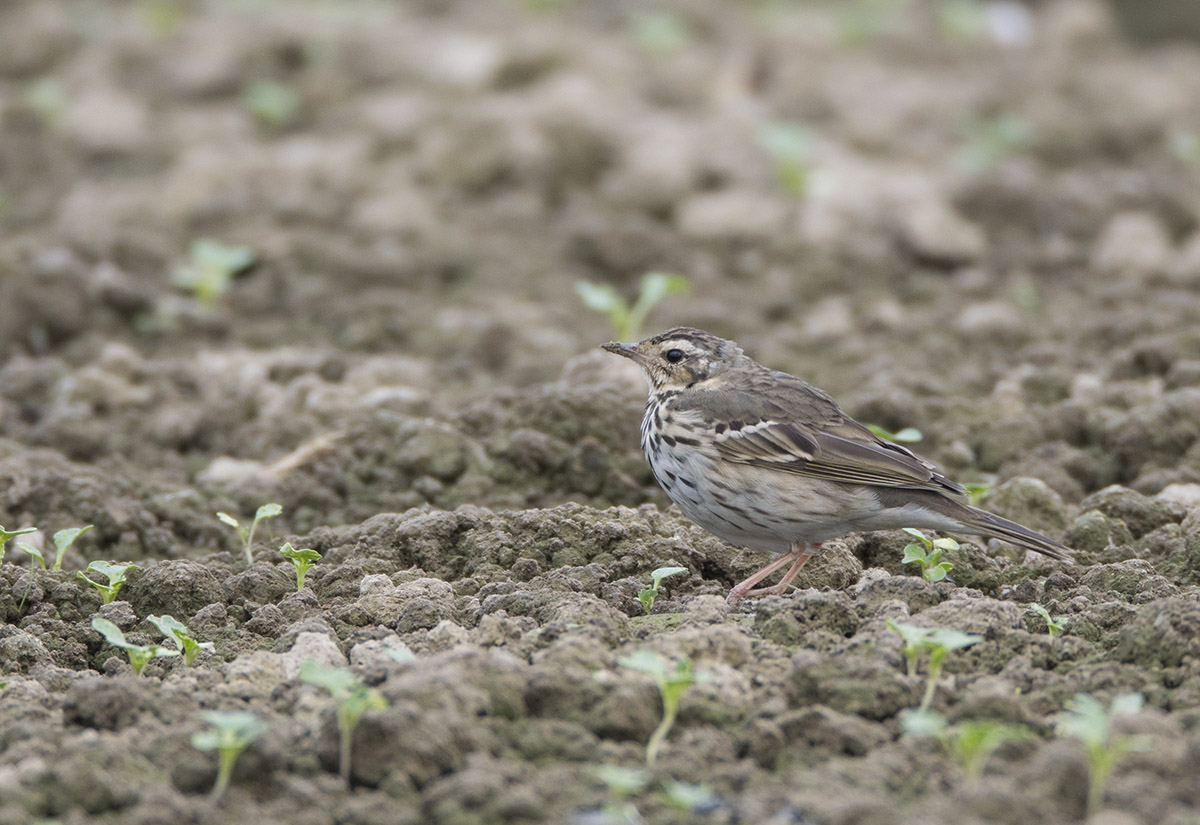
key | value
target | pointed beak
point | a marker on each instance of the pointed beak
(630, 351)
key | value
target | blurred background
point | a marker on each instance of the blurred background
(233, 229)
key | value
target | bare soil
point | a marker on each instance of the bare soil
(998, 243)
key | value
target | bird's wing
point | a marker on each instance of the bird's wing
(794, 427)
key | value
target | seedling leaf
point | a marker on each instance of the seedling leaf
(7, 535)
(64, 539)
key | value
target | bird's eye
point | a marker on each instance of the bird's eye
(674, 355)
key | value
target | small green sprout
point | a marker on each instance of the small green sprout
(988, 140)
(1185, 146)
(928, 554)
(622, 783)
(627, 320)
(969, 743)
(272, 105)
(139, 655)
(247, 533)
(673, 682)
(303, 559)
(1053, 626)
(230, 732)
(63, 539)
(7, 535)
(687, 797)
(177, 632)
(789, 146)
(648, 595)
(211, 269)
(1087, 720)
(660, 33)
(976, 490)
(33, 552)
(353, 698)
(111, 570)
(47, 97)
(909, 435)
(938, 642)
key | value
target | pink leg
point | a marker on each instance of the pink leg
(797, 556)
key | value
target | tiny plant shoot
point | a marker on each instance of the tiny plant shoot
(1053, 626)
(353, 699)
(211, 268)
(7, 535)
(247, 533)
(622, 783)
(928, 553)
(673, 682)
(111, 570)
(178, 633)
(229, 733)
(63, 539)
(648, 595)
(789, 145)
(303, 559)
(976, 490)
(139, 655)
(627, 320)
(686, 797)
(1088, 721)
(970, 743)
(938, 642)
(909, 435)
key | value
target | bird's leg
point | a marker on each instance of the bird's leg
(796, 556)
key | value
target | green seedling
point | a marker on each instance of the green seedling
(976, 490)
(139, 655)
(909, 435)
(648, 595)
(938, 642)
(627, 320)
(960, 20)
(789, 145)
(229, 733)
(47, 97)
(687, 797)
(111, 570)
(211, 268)
(861, 22)
(353, 698)
(1087, 720)
(622, 784)
(672, 682)
(987, 141)
(63, 539)
(7, 535)
(969, 743)
(660, 33)
(303, 559)
(272, 105)
(32, 552)
(247, 533)
(177, 632)
(1185, 146)
(1053, 626)
(928, 553)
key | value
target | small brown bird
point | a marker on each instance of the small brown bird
(768, 462)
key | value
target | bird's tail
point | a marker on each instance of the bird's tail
(993, 526)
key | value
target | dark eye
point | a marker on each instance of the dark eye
(674, 355)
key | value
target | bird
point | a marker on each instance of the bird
(768, 462)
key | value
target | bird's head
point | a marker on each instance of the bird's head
(679, 358)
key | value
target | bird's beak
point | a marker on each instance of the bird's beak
(630, 351)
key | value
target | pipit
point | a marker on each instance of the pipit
(770, 463)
